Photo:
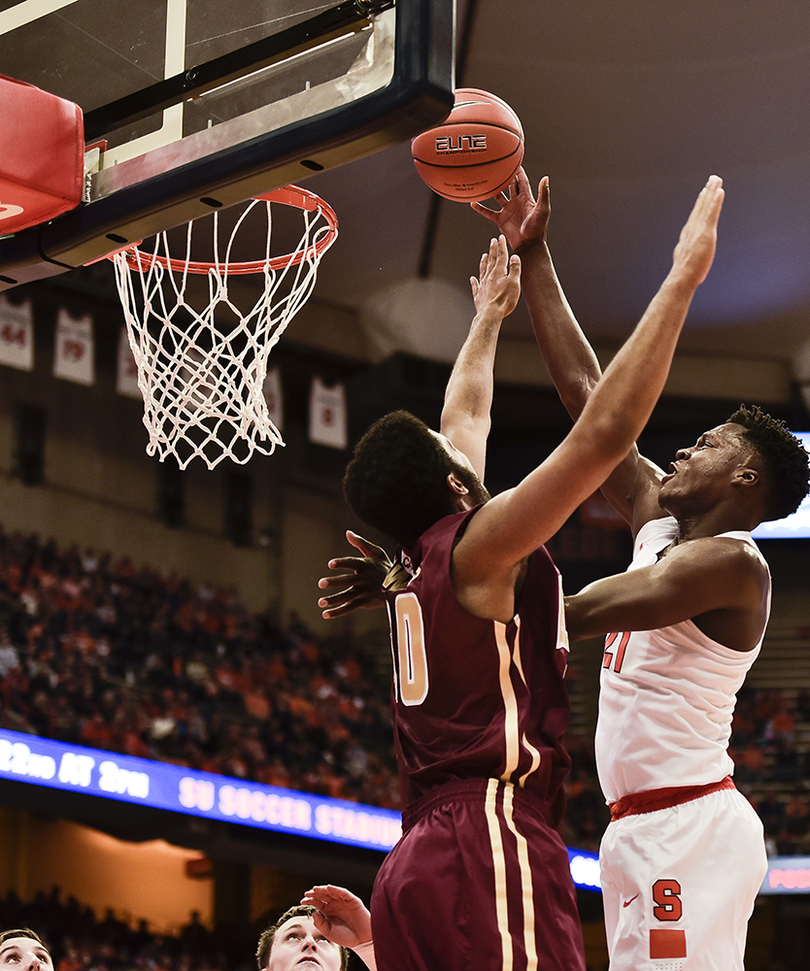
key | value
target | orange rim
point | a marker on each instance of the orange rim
(288, 195)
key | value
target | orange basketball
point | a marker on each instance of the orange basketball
(475, 152)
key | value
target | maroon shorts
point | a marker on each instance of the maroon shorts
(479, 882)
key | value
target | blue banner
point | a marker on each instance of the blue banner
(161, 785)
(75, 768)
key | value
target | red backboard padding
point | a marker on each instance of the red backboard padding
(41, 155)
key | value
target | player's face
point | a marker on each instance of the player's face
(300, 946)
(701, 475)
(22, 954)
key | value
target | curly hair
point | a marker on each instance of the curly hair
(265, 944)
(787, 464)
(396, 480)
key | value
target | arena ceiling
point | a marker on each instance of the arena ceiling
(628, 108)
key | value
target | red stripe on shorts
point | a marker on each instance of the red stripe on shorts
(652, 800)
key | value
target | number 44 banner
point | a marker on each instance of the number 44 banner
(16, 335)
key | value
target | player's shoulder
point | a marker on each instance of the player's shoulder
(732, 554)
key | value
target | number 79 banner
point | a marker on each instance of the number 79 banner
(73, 357)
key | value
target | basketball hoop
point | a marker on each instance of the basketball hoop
(202, 362)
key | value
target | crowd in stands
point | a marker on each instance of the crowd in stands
(79, 941)
(104, 654)
(100, 653)
(771, 730)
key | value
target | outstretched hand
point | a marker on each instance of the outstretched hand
(340, 916)
(521, 219)
(694, 253)
(361, 587)
(498, 283)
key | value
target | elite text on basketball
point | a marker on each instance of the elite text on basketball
(462, 143)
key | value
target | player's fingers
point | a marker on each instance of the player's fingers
(710, 199)
(500, 252)
(352, 562)
(366, 547)
(333, 599)
(338, 580)
(490, 214)
(341, 610)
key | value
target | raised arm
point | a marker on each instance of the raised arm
(569, 358)
(465, 416)
(515, 522)
(465, 420)
(632, 488)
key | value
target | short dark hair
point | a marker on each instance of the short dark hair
(787, 468)
(397, 478)
(268, 935)
(22, 932)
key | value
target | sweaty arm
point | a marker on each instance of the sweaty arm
(465, 418)
(511, 525)
(572, 365)
(719, 583)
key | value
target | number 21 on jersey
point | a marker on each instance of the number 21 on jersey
(614, 654)
(408, 649)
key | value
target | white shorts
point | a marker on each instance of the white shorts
(679, 885)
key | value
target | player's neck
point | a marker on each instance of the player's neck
(712, 523)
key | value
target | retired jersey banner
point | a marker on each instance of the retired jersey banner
(16, 335)
(327, 415)
(74, 351)
(126, 375)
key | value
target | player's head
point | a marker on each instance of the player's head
(295, 942)
(751, 464)
(404, 477)
(785, 465)
(21, 949)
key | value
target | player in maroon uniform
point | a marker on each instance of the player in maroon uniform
(480, 879)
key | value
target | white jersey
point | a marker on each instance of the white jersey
(667, 696)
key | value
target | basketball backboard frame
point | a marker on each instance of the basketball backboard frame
(133, 197)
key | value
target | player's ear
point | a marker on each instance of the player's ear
(746, 476)
(456, 485)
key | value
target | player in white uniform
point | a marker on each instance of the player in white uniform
(684, 857)
(672, 854)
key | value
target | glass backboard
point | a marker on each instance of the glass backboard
(194, 105)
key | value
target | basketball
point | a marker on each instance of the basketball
(475, 152)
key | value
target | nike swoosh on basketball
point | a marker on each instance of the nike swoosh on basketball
(628, 902)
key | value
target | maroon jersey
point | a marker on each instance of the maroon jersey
(475, 698)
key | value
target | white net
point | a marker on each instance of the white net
(202, 361)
